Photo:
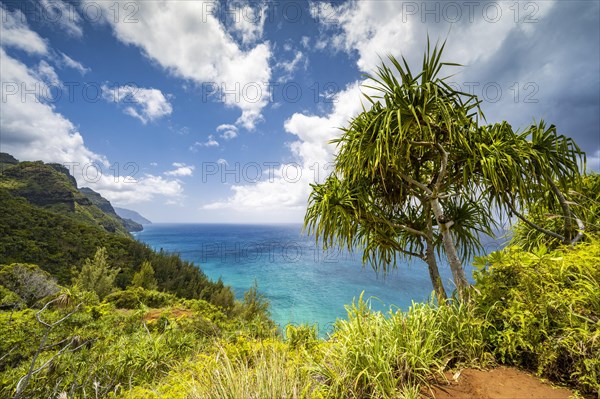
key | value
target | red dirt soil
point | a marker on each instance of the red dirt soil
(498, 383)
(154, 314)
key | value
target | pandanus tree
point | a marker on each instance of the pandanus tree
(417, 176)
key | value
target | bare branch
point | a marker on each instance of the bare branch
(533, 225)
(423, 143)
(37, 315)
(24, 381)
(8, 353)
(579, 235)
(412, 181)
(409, 229)
(53, 357)
(443, 165)
(410, 253)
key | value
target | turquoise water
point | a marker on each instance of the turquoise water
(303, 283)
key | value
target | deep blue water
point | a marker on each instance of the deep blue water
(303, 283)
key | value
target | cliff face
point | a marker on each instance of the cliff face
(106, 207)
(42, 185)
(133, 215)
(98, 200)
(50, 186)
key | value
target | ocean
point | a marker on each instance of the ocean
(303, 283)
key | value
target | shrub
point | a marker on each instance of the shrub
(97, 275)
(28, 281)
(145, 277)
(134, 298)
(302, 336)
(544, 310)
(9, 300)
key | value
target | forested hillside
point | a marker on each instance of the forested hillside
(45, 220)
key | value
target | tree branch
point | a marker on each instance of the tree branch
(409, 229)
(533, 225)
(37, 315)
(566, 210)
(410, 253)
(412, 181)
(24, 381)
(579, 235)
(443, 166)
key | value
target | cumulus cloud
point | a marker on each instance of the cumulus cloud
(147, 104)
(492, 49)
(248, 21)
(32, 129)
(210, 142)
(287, 188)
(181, 169)
(46, 73)
(145, 188)
(188, 40)
(15, 32)
(227, 132)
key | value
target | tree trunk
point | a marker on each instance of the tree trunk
(434, 273)
(568, 231)
(458, 272)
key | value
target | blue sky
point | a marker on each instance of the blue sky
(200, 111)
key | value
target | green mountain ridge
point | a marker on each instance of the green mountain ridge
(46, 220)
(51, 186)
(105, 206)
(131, 215)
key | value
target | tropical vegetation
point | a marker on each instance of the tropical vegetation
(417, 174)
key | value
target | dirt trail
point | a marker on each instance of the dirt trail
(498, 383)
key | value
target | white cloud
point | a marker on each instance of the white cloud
(46, 73)
(375, 29)
(222, 161)
(289, 187)
(210, 142)
(265, 196)
(289, 67)
(186, 39)
(305, 41)
(146, 188)
(32, 129)
(249, 21)
(14, 32)
(62, 14)
(71, 63)
(181, 170)
(369, 30)
(227, 132)
(148, 104)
